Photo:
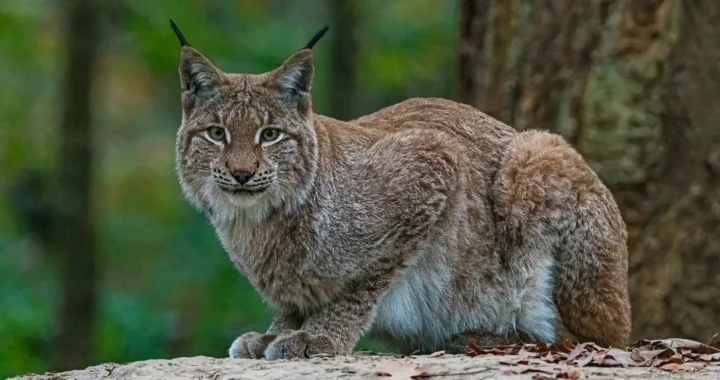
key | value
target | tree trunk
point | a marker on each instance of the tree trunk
(343, 58)
(74, 236)
(636, 100)
(676, 250)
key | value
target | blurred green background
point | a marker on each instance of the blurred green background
(166, 287)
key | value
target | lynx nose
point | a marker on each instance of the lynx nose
(242, 176)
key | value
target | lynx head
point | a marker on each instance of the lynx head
(247, 144)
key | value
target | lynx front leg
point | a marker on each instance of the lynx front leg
(252, 345)
(332, 330)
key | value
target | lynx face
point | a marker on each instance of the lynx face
(247, 144)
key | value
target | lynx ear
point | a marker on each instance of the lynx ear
(293, 79)
(199, 78)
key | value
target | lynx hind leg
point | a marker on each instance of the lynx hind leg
(545, 190)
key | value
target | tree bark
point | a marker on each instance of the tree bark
(676, 250)
(631, 84)
(74, 235)
(473, 58)
(343, 58)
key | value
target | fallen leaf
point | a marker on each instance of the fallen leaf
(666, 353)
(573, 374)
(474, 350)
(579, 349)
(583, 362)
(671, 367)
(676, 367)
(709, 358)
(526, 353)
(694, 366)
(501, 350)
(564, 346)
(714, 342)
(540, 376)
(643, 358)
(679, 344)
(616, 356)
(437, 354)
(519, 362)
(523, 369)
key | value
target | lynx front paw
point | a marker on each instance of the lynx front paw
(250, 346)
(299, 344)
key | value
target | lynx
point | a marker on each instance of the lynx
(426, 224)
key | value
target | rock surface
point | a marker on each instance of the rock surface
(365, 366)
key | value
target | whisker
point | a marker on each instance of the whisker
(170, 170)
(200, 170)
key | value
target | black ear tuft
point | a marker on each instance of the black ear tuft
(316, 37)
(178, 33)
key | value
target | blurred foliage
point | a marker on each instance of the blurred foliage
(167, 288)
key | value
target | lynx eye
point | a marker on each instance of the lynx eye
(270, 134)
(216, 133)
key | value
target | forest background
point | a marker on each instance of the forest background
(101, 259)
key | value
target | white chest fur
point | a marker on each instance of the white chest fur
(416, 307)
(420, 310)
